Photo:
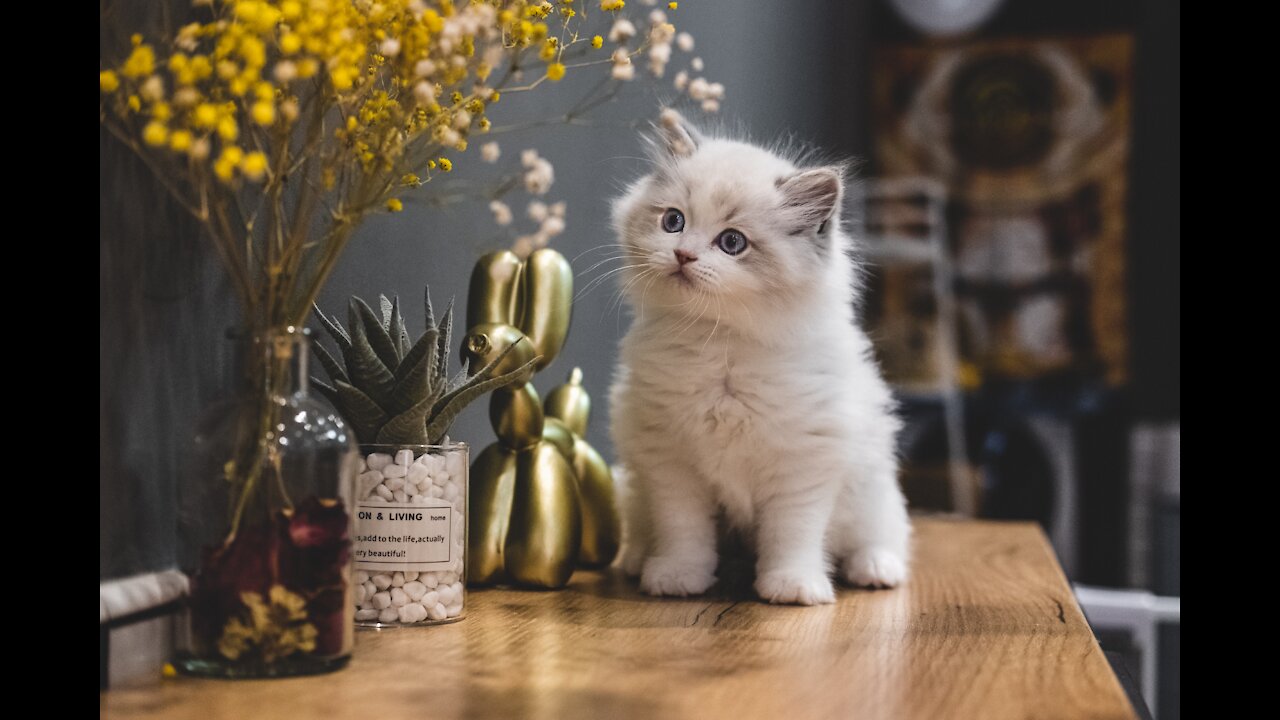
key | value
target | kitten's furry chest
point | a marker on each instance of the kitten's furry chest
(732, 418)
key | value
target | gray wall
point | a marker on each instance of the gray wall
(793, 68)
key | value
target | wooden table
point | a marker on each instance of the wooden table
(987, 628)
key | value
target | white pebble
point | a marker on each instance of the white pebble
(382, 600)
(389, 615)
(436, 463)
(410, 575)
(360, 594)
(415, 590)
(430, 579)
(395, 471)
(377, 461)
(369, 614)
(457, 591)
(381, 581)
(394, 484)
(439, 478)
(369, 589)
(412, 613)
(419, 474)
(400, 496)
(454, 610)
(438, 612)
(446, 594)
(363, 466)
(375, 500)
(421, 499)
(399, 597)
(362, 577)
(367, 604)
(384, 492)
(397, 580)
(430, 599)
(451, 492)
(436, 491)
(368, 481)
(454, 464)
(449, 578)
(404, 458)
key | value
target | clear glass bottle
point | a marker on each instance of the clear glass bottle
(265, 525)
(411, 534)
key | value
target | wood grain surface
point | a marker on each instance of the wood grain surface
(987, 628)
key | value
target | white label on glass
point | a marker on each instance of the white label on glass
(401, 536)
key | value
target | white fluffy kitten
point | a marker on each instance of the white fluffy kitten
(744, 385)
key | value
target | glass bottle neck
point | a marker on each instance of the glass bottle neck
(278, 361)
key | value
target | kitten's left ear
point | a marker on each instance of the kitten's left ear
(680, 138)
(811, 199)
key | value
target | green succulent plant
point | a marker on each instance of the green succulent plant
(395, 392)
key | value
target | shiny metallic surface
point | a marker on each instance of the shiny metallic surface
(516, 415)
(601, 526)
(541, 497)
(494, 293)
(486, 341)
(570, 403)
(547, 302)
(554, 432)
(491, 488)
(545, 531)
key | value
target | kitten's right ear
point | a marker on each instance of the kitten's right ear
(679, 138)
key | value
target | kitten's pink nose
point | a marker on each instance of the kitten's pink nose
(684, 257)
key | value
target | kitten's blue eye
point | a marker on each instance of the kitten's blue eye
(672, 220)
(732, 242)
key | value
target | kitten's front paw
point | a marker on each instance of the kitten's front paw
(795, 588)
(669, 576)
(874, 567)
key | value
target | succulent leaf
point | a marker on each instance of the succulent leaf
(364, 414)
(480, 376)
(331, 366)
(446, 338)
(396, 328)
(457, 380)
(339, 335)
(426, 345)
(376, 334)
(366, 369)
(330, 393)
(455, 402)
(385, 305)
(418, 382)
(409, 427)
(392, 390)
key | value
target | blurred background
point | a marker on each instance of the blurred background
(1017, 204)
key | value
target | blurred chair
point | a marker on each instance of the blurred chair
(1138, 613)
(903, 235)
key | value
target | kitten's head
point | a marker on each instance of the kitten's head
(728, 221)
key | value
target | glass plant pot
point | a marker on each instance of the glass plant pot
(265, 525)
(411, 535)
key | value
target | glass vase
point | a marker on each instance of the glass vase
(411, 534)
(265, 525)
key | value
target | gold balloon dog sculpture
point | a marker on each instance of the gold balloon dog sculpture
(541, 498)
